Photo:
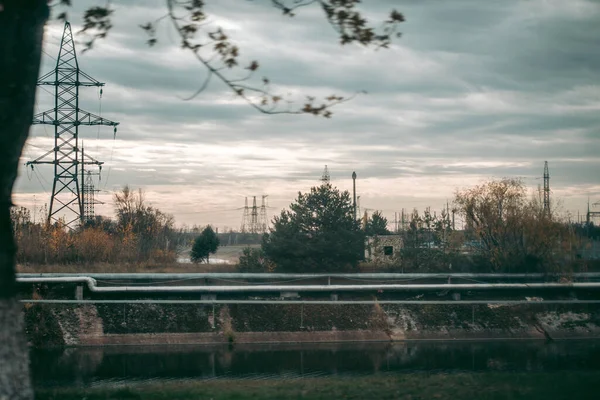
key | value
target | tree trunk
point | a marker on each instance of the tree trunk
(21, 33)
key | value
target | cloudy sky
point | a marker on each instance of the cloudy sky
(472, 90)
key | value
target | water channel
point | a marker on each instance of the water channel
(113, 366)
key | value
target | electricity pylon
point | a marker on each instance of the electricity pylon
(88, 192)
(325, 177)
(263, 220)
(245, 217)
(546, 189)
(254, 228)
(66, 117)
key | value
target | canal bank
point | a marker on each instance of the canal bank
(496, 386)
(92, 324)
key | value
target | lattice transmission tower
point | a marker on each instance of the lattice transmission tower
(263, 222)
(591, 215)
(254, 226)
(325, 177)
(254, 219)
(66, 117)
(245, 217)
(89, 191)
(546, 189)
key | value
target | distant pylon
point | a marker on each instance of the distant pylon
(325, 178)
(263, 220)
(245, 217)
(546, 189)
(89, 191)
(254, 228)
(255, 220)
(88, 197)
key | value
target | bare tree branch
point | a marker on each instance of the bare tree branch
(342, 15)
(200, 90)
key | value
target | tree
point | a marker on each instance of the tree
(152, 229)
(21, 31)
(515, 233)
(204, 245)
(427, 242)
(252, 260)
(318, 233)
(377, 225)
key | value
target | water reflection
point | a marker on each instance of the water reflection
(90, 366)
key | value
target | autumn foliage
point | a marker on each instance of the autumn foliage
(514, 233)
(139, 233)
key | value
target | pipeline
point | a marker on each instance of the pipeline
(92, 286)
(235, 275)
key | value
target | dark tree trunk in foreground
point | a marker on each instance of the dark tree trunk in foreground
(21, 32)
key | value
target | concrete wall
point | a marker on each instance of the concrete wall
(103, 324)
(375, 249)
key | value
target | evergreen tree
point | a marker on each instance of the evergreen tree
(204, 245)
(318, 233)
(377, 225)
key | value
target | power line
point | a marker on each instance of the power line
(38, 179)
(34, 145)
(44, 51)
(210, 211)
(46, 90)
(100, 114)
(44, 179)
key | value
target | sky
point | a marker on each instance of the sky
(471, 91)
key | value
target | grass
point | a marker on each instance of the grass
(232, 253)
(483, 386)
(229, 253)
(125, 267)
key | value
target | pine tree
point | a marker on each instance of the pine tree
(318, 233)
(204, 245)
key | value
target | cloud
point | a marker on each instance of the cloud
(472, 90)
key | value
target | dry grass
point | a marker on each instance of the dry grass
(229, 253)
(125, 268)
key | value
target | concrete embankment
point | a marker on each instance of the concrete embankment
(146, 324)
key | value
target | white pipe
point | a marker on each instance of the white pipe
(336, 288)
(91, 283)
(211, 275)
